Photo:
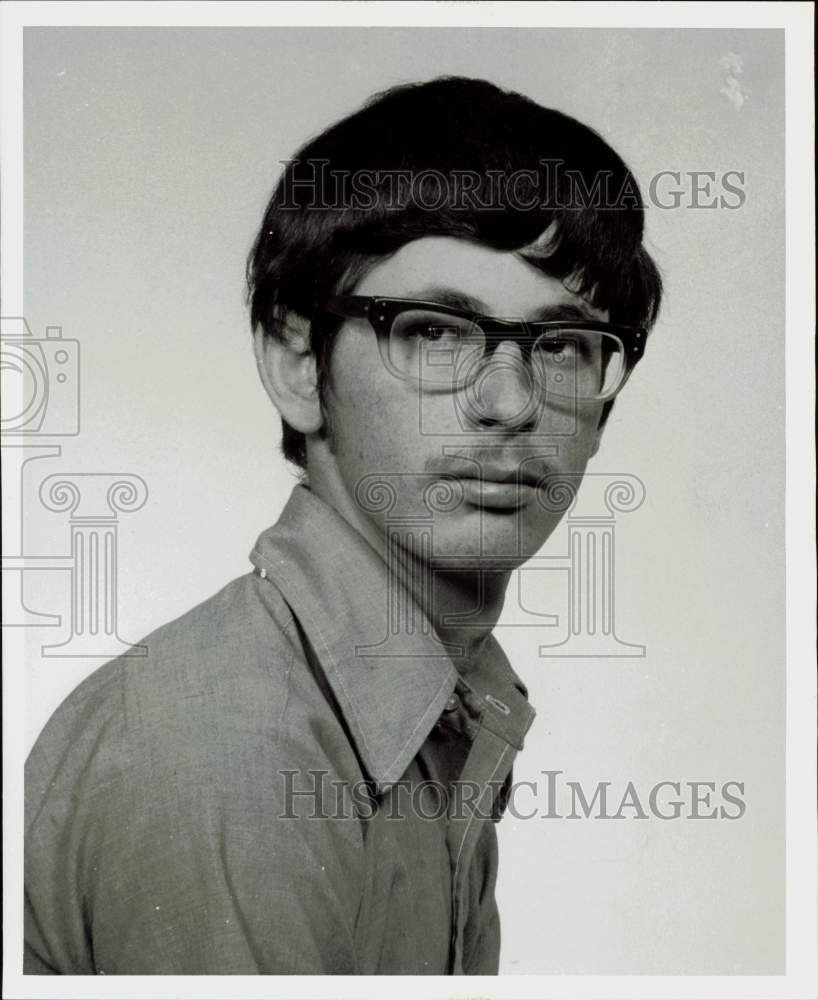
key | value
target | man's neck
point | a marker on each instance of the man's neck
(462, 605)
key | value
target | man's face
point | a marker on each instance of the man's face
(465, 462)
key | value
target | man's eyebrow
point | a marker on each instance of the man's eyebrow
(562, 310)
(461, 300)
(445, 296)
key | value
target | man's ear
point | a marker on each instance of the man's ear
(289, 374)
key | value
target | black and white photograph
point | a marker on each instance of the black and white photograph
(408, 499)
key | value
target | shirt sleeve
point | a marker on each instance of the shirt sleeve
(186, 848)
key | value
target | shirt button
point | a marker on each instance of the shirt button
(452, 703)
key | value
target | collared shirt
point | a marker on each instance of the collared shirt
(295, 779)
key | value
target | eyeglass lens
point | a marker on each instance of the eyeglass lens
(441, 351)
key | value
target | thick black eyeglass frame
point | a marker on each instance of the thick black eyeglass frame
(380, 312)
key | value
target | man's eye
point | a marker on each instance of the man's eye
(424, 331)
(436, 332)
(557, 349)
(428, 329)
(578, 349)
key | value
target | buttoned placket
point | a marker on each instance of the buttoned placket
(497, 735)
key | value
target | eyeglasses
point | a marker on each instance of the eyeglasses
(444, 349)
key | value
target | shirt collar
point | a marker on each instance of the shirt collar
(390, 688)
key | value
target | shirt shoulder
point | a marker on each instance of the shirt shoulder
(227, 659)
(228, 656)
(158, 790)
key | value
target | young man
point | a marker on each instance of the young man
(304, 776)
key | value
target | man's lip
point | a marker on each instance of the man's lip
(494, 495)
(495, 474)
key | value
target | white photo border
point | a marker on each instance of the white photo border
(800, 979)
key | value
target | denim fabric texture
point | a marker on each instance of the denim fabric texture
(261, 793)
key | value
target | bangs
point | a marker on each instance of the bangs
(451, 157)
(463, 159)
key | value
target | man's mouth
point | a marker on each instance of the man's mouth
(495, 495)
(494, 487)
(492, 471)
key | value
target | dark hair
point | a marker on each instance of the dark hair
(455, 157)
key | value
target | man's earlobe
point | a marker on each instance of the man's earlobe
(603, 420)
(288, 372)
(596, 444)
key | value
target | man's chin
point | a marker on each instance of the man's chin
(475, 564)
(495, 557)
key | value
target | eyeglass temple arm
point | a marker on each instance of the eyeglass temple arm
(350, 306)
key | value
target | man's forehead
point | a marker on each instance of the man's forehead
(471, 275)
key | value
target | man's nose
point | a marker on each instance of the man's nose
(505, 392)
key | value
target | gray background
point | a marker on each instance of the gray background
(150, 154)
